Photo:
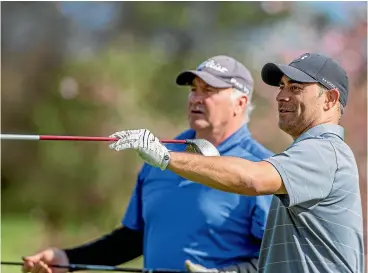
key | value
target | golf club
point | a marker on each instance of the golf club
(105, 268)
(200, 146)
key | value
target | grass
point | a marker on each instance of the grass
(22, 236)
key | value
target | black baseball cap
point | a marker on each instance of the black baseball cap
(220, 72)
(310, 67)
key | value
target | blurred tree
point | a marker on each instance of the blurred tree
(177, 28)
(61, 77)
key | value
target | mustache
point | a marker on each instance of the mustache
(197, 109)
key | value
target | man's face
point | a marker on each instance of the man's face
(209, 107)
(300, 105)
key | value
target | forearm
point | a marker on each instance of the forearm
(118, 247)
(224, 173)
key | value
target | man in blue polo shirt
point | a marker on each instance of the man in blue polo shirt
(170, 219)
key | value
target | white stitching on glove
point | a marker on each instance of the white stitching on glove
(145, 143)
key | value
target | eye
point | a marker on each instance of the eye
(295, 88)
(211, 90)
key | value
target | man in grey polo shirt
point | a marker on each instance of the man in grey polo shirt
(315, 220)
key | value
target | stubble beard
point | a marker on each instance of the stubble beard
(292, 126)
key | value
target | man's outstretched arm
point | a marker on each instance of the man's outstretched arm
(227, 173)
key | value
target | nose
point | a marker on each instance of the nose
(195, 98)
(282, 96)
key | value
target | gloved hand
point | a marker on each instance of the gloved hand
(191, 267)
(145, 143)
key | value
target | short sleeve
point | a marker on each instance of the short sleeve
(133, 218)
(260, 211)
(307, 169)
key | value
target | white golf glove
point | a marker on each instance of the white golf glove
(145, 143)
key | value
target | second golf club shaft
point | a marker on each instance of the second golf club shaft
(104, 268)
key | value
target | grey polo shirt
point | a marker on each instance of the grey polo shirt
(317, 227)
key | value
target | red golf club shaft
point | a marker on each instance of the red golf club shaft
(73, 138)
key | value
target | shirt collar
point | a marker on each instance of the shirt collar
(234, 139)
(322, 129)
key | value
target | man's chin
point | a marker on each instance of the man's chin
(198, 124)
(288, 128)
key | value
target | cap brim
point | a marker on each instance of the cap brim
(187, 77)
(272, 74)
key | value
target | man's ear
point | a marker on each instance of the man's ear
(240, 105)
(331, 98)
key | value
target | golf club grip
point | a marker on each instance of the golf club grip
(74, 138)
(78, 138)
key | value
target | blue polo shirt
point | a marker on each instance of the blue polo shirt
(184, 220)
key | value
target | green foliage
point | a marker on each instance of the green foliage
(22, 235)
(73, 191)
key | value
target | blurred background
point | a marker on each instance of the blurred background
(93, 68)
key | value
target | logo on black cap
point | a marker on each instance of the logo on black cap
(302, 57)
